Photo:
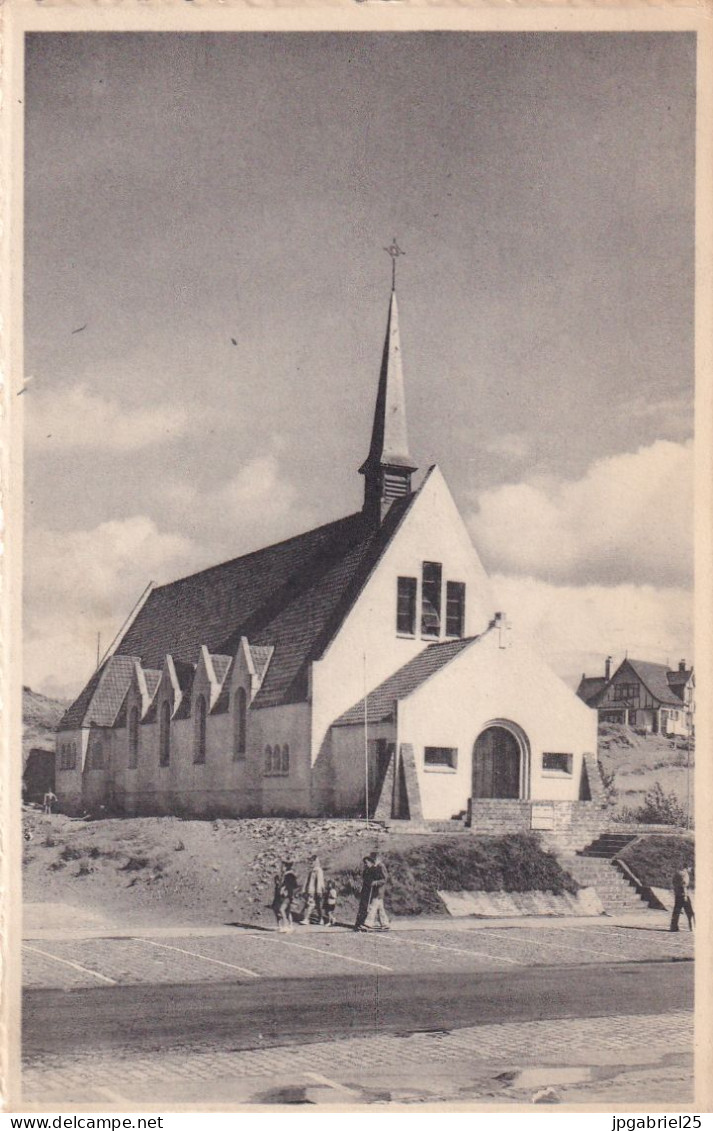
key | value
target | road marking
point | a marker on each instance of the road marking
(324, 953)
(455, 950)
(331, 1083)
(74, 965)
(193, 954)
(555, 945)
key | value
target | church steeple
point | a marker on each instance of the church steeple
(388, 467)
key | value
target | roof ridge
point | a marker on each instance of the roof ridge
(254, 553)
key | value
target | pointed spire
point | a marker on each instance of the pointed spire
(388, 467)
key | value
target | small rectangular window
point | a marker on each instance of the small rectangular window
(455, 608)
(557, 764)
(440, 757)
(431, 599)
(406, 606)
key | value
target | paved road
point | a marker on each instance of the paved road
(254, 1014)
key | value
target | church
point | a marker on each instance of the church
(362, 667)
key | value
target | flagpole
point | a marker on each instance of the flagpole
(366, 750)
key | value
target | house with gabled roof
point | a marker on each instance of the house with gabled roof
(649, 697)
(361, 666)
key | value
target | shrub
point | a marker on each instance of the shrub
(654, 859)
(508, 863)
(659, 808)
(69, 853)
(84, 869)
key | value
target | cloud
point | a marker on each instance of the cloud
(82, 582)
(78, 418)
(575, 628)
(670, 416)
(512, 446)
(628, 519)
(256, 506)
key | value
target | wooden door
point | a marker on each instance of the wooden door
(496, 764)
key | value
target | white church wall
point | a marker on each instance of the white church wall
(431, 531)
(348, 764)
(222, 784)
(279, 727)
(68, 783)
(487, 683)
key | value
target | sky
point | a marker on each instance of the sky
(207, 292)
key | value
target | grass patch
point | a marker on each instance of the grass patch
(654, 859)
(508, 863)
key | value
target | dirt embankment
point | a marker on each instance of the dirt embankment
(158, 870)
(636, 762)
(40, 716)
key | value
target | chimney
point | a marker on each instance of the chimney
(682, 665)
(607, 668)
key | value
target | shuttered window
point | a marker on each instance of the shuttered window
(431, 599)
(455, 608)
(406, 606)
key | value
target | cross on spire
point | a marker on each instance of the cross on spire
(394, 251)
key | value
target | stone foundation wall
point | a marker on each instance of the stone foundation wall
(570, 824)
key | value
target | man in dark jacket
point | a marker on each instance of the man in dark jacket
(376, 875)
(681, 899)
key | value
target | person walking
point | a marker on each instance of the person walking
(329, 905)
(313, 892)
(365, 894)
(376, 917)
(286, 885)
(681, 898)
(48, 801)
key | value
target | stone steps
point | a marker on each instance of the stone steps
(608, 845)
(612, 887)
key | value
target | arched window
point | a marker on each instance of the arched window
(199, 749)
(240, 723)
(268, 760)
(133, 738)
(285, 763)
(164, 734)
(97, 760)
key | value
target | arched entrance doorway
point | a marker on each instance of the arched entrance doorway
(499, 763)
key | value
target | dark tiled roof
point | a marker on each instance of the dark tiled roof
(678, 679)
(589, 686)
(220, 666)
(261, 657)
(291, 598)
(153, 678)
(380, 701)
(99, 703)
(655, 678)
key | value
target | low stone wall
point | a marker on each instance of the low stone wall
(570, 824)
(513, 904)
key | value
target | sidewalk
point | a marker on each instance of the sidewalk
(611, 1059)
(50, 921)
